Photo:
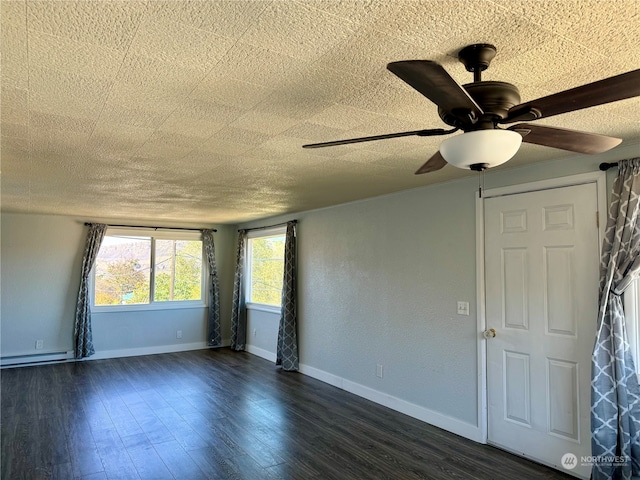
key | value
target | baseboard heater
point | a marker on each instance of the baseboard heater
(38, 359)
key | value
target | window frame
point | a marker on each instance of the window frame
(632, 320)
(251, 235)
(189, 235)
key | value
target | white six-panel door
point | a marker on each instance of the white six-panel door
(541, 274)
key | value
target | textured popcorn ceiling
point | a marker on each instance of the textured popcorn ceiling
(195, 111)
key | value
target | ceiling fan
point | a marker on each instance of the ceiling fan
(480, 108)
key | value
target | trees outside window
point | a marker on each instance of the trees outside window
(266, 268)
(178, 270)
(123, 270)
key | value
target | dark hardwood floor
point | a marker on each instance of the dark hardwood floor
(217, 414)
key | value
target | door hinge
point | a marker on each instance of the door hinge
(597, 219)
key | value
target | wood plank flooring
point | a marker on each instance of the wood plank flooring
(218, 414)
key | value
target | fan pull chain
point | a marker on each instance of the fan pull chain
(480, 183)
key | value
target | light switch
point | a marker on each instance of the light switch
(463, 308)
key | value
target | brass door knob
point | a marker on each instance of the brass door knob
(491, 333)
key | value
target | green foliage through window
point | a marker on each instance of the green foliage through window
(122, 274)
(178, 271)
(266, 269)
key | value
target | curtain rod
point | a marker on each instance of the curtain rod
(87, 224)
(268, 226)
(606, 166)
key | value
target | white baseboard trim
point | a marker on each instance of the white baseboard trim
(261, 352)
(323, 376)
(453, 425)
(138, 351)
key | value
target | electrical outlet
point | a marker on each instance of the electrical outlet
(179, 334)
(254, 332)
(463, 308)
(379, 371)
(39, 344)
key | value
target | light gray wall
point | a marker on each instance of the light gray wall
(225, 247)
(379, 282)
(40, 274)
(262, 331)
(40, 277)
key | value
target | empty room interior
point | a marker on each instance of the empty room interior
(320, 239)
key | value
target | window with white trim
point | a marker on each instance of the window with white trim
(138, 270)
(265, 268)
(632, 317)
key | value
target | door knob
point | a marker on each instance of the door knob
(491, 333)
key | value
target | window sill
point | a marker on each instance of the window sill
(261, 307)
(150, 306)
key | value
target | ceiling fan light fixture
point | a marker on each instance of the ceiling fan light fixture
(488, 147)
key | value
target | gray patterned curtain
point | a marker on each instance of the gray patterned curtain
(287, 351)
(238, 310)
(615, 395)
(214, 338)
(82, 336)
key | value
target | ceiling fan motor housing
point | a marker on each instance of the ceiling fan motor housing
(494, 98)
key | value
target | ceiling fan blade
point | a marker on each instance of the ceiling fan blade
(572, 140)
(612, 89)
(419, 133)
(432, 80)
(436, 162)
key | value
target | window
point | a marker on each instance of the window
(265, 262)
(632, 317)
(137, 270)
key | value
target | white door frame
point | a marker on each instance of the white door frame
(598, 178)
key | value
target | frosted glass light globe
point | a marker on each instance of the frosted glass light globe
(489, 147)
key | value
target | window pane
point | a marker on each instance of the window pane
(122, 271)
(267, 267)
(178, 270)
(632, 320)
